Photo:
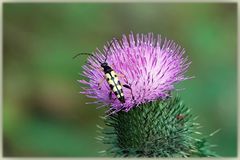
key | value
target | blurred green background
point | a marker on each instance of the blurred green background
(43, 112)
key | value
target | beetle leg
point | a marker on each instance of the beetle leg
(100, 83)
(110, 95)
(100, 68)
(123, 76)
(128, 87)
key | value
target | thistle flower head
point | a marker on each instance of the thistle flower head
(150, 65)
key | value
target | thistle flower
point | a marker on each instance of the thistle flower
(151, 66)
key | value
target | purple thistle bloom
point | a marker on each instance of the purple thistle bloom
(151, 66)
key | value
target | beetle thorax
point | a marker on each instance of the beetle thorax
(106, 67)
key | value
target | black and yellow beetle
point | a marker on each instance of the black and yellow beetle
(112, 78)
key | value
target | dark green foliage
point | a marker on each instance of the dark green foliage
(155, 129)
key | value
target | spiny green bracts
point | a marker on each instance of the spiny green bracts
(156, 129)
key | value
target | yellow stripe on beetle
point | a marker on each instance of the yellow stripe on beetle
(116, 80)
(111, 82)
(119, 87)
(113, 73)
(115, 89)
(107, 75)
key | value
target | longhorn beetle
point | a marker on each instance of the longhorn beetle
(111, 77)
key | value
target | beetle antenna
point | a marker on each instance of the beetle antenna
(86, 54)
(109, 48)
